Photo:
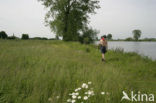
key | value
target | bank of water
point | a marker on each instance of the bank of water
(142, 48)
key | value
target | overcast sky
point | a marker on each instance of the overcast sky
(118, 17)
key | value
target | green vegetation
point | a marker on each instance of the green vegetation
(136, 34)
(3, 35)
(69, 18)
(109, 36)
(33, 71)
(25, 36)
(89, 36)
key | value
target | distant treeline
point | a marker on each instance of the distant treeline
(144, 39)
(131, 39)
(3, 35)
(136, 35)
(87, 38)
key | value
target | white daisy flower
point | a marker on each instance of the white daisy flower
(69, 100)
(76, 93)
(84, 85)
(74, 96)
(76, 90)
(79, 97)
(73, 101)
(85, 98)
(102, 93)
(79, 88)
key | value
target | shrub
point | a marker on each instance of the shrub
(88, 36)
(129, 39)
(39, 38)
(25, 36)
(11, 37)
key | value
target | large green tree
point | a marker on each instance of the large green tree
(3, 35)
(68, 18)
(136, 34)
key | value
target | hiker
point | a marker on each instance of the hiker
(103, 46)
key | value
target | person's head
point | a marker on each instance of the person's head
(104, 36)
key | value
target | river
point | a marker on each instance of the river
(142, 48)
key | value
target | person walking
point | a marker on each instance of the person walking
(103, 46)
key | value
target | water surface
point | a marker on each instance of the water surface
(142, 48)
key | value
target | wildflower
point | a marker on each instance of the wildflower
(86, 92)
(90, 92)
(102, 93)
(69, 100)
(74, 96)
(76, 93)
(85, 98)
(76, 90)
(70, 94)
(79, 88)
(89, 82)
(79, 97)
(73, 101)
(84, 85)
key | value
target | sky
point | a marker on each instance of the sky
(118, 17)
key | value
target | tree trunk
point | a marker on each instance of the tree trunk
(65, 35)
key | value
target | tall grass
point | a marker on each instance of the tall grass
(33, 71)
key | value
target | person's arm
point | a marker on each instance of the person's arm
(99, 44)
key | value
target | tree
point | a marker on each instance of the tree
(88, 36)
(3, 35)
(25, 36)
(109, 36)
(136, 34)
(68, 18)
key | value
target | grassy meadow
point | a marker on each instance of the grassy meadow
(32, 71)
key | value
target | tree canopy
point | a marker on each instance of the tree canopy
(3, 35)
(109, 36)
(25, 36)
(136, 34)
(69, 18)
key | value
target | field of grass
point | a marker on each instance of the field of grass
(33, 71)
